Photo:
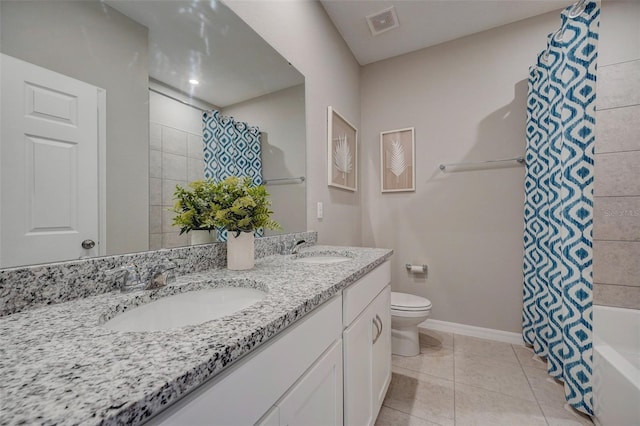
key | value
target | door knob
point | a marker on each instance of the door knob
(88, 244)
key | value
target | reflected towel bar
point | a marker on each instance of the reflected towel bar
(519, 160)
(268, 181)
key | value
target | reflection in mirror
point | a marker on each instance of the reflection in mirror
(102, 106)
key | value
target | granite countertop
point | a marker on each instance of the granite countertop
(59, 366)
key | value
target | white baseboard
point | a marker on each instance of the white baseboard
(470, 330)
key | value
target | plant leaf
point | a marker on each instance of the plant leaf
(397, 164)
(342, 158)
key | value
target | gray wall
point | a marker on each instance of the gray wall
(616, 230)
(280, 115)
(66, 37)
(302, 33)
(466, 99)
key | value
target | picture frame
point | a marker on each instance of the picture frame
(398, 160)
(342, 152)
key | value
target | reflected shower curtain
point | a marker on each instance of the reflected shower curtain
(558, 213)
(231, 148)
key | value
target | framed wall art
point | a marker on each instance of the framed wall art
(342, 150)
(397, 160)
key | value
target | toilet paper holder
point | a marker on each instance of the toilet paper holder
(416, 269)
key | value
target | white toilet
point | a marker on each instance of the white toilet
(407, 311)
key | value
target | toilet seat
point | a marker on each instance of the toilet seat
(410, 314)
(409, 303)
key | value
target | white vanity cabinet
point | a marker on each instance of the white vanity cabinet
(331, 368)
(292, 379)
(367, 346)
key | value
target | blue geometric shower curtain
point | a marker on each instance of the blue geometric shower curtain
(231, 148)
(558, 213)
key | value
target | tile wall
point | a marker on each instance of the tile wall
(616, 231)
(176, 157)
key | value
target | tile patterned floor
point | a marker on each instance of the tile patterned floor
(460, 380)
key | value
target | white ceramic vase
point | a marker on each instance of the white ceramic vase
(202, 237)
(240, 251)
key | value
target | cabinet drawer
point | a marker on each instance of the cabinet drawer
(357, 296)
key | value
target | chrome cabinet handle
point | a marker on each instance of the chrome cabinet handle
(377, 334)
(377, 320)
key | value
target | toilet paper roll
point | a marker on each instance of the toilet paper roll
(417, 269)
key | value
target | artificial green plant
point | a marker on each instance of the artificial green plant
(233, 204)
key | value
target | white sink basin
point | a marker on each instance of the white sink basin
(322, 260)
(190, 308)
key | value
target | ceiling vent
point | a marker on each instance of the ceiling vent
(383, 21)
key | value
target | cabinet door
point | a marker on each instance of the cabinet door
(358, 364)
(381, 310)
(317, 397)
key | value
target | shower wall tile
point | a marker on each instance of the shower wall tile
(195, 169)
(172, 240)
(616, 218)
(155, 191)
(618, 85)
(617, 174)
(155, 219)
(195, 146)
(155, 241)
(168, 188)
(616, 227)
(155, 163)
(174, 166)
(174, 141)
(167, 221)
(617, 129)
(616, 262)
(155, 136)
(616, 295)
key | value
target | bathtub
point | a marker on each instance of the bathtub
(616, 366)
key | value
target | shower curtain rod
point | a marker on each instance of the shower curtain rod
(151, 89)
(519, 160)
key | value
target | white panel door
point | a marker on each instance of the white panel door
(316, 400)
(49, 159)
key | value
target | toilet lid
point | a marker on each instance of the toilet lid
(409, 302)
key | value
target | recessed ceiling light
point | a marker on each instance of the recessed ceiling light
(194, 82)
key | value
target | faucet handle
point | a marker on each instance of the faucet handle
(131, 280)
(160, 275)
(296, 246)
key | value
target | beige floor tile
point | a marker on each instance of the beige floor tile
(436, 338)
(421, 395)
(433, 360)
(475, 406)
(528, 358)
(546, 389)
(390, 417)
(563, 415)
(497, 351)
(482, 372)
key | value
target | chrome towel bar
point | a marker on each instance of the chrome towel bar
(519, 160)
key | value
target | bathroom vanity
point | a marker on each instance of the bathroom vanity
(315, 350)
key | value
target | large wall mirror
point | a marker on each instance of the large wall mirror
(102, 116)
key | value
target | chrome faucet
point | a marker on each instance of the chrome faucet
(131, 277)
(296, 246)
(159, 276)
